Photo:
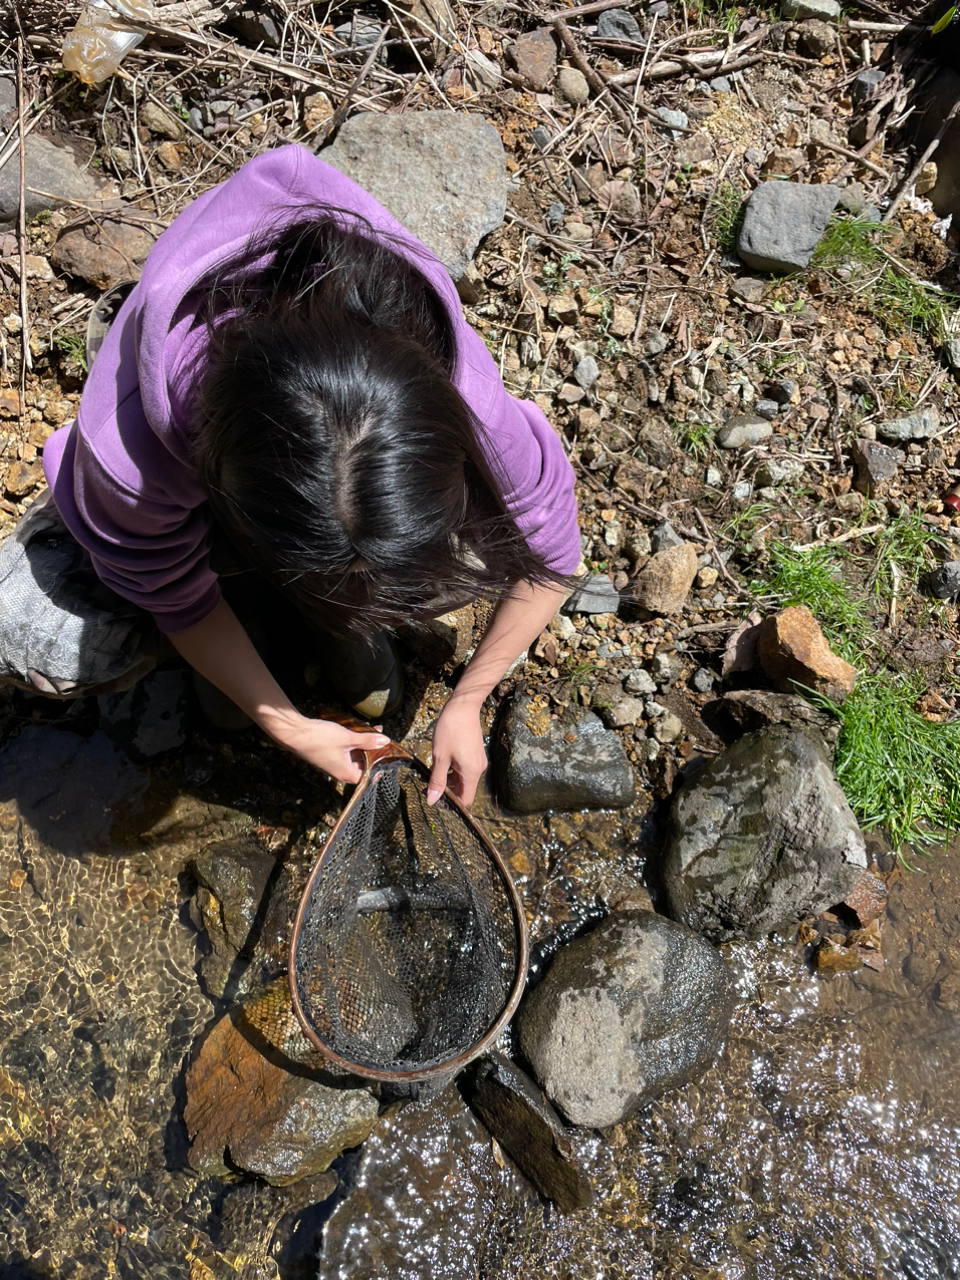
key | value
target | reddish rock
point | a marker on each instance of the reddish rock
(664, 583)
(535, 57)
(104, 253)
(792, 650)
(10, 403)
(244, 1110)
(23, 478)
(869, 899)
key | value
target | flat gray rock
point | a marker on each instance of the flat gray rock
(50, 168)
(636, 1007)
(569, 763)
(443, 175)
(762, 838)
(596, 594)
(915, 426)
(530, 1131)
(826, 10)
(783, 223)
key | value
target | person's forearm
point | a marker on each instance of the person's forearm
(520, 617)
(220, 649)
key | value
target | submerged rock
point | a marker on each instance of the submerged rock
(639, 1006)
(531, 1132)
(762, 838)
(245, 1110)
(442, 175)
(151, 717)
(572, 762)
(232, 878)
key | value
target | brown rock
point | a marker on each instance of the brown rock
(664, 583)
(754, 708)
(830, 958)
(784, 161)
(317, 110)
(10, 403)
(869, 899)
(161, 122)
(535, 57)
(632, 478)
(243, 1110)
(792, 650)
(23, 478)
(107, 252)
(169, 156)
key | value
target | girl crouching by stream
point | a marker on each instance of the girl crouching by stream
(291, 388)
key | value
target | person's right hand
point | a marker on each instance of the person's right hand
(327, 745)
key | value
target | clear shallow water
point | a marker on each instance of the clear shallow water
(826, 1142)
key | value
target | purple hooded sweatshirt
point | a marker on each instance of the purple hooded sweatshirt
(121, 474)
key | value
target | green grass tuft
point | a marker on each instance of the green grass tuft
(898, 770)
(852, 251)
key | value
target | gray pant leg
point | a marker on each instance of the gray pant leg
(62, 632)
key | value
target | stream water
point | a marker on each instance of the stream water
(824, 1143)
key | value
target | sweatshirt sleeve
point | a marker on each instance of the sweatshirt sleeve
(526, 454)
(140, 519)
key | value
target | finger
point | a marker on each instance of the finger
(368, 741)
(442, 768)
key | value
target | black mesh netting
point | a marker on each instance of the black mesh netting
(409, 943)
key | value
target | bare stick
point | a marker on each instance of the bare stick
(336, 120)
(26, 362)
(851, 155)
(914, 173)
(712, 547)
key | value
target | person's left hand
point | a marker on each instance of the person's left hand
(459, 758)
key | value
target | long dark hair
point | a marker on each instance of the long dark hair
(337, 454)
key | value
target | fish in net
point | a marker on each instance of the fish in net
(409, 949)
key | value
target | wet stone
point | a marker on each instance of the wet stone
(636, 1007)
(761, 838)
(530, 1131)
(755, 708)
(868, 899)
(151, 717)
(569, 763)
(246, 1111)
(232, 878)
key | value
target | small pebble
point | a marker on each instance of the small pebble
(573, 86)
(587, 372)
(741, 491)
(655, 342)
(703, 680)
(639, 681)
(766, 408)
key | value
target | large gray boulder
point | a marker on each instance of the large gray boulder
(58, 171)
(762, 838)
(443, 175)
(783, 223)
(571, 762)
(636, 1007)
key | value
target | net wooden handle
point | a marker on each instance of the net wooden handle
(392, 751)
